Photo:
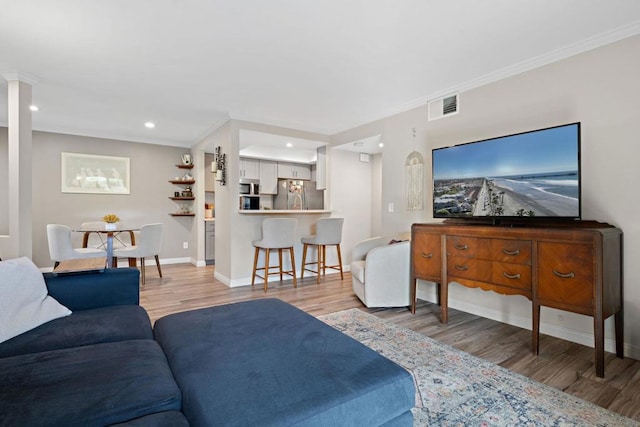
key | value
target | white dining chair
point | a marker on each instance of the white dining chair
(61, 248)
(149, 244)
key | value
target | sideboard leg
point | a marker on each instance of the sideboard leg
(536, 329)
(598, 327)
(444, 302)
(619, 326)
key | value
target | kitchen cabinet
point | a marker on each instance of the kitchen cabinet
(249, 168)
(210, 242)
(186, 193)
(294, 171)
(321, 168)
(268, 177)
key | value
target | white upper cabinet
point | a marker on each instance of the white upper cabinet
(321, 168)
(294, 171)
(249, 168)
(268, 177)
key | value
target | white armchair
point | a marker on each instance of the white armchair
(380, 272)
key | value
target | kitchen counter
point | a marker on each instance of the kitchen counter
(281, 212)
(209, 219)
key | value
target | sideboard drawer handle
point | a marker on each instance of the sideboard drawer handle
(462, 267)
(461, 247)
(423, 255)
(511, 276)
(508, 252)
(564, 275)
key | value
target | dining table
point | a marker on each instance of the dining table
(111, 231)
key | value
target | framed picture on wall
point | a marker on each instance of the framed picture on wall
(89, 173)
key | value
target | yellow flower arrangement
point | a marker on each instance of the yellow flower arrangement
(110, 218)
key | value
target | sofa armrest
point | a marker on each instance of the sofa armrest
(83, 291)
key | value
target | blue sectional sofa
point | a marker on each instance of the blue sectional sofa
(261, 362)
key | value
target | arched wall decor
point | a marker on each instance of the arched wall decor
(414, 178)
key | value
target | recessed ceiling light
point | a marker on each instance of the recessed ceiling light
(33, 107)
(380, 144)
(150, 125)
(289, 144)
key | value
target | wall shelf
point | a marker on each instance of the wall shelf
(186, 195)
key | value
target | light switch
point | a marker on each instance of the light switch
(391, 207)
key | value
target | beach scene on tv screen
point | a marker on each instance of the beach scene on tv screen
(534, 174)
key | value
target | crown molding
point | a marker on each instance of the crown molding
(20, 76)
(512, 70)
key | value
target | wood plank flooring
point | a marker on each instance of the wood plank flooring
(561, 364)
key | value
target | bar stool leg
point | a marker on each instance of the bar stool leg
(304, 259)
(293, 267)
(266, 269)
(340, 261)
(280, 260)
(255, 265)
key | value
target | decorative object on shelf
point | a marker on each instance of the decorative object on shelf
(219, 166)
(110, 221)
(186, 194)
(187, 160)
(208, 210)
(414, 169)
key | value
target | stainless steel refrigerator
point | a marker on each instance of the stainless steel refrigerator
(298, 195)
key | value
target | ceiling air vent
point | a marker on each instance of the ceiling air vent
(446, 106)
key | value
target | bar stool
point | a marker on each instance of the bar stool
(277, 233)
(328, 233)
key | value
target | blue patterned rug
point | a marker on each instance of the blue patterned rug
(455, 388)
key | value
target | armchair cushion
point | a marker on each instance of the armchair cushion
(380, 272)
(24, 303)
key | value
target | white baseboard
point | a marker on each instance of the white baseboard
(569, 334)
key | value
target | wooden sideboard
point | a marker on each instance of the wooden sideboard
(575, 267)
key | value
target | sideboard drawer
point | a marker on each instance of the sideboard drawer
(469, 268)
(512, 275)
(471, 247)
(427, 255)
(515, 251)
(565, 273)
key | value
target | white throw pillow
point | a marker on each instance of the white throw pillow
(24, 303)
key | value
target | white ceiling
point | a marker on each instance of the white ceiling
(104, 68)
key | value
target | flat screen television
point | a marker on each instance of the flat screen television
(525, 176)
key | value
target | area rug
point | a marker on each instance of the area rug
(454, 388)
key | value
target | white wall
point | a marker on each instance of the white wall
(350, 197)
(599, 88)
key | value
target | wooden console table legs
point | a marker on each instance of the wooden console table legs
(598, 332)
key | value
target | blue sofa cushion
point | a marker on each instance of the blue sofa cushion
(159, 419)
(84, 291)
(265, 362)
(85, 327)
(93, 385)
